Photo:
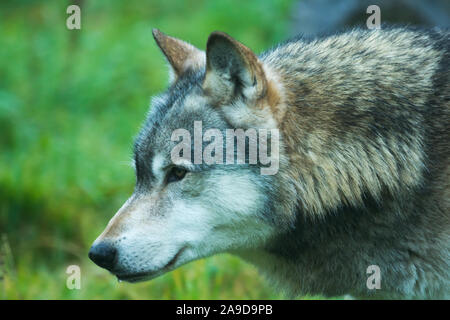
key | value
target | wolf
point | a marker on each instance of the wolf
(363, 179)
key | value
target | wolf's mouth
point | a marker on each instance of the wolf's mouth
(142, 276)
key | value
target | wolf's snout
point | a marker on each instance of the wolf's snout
(103, 254)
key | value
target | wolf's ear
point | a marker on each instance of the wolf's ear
(232, 70)
(180, 54)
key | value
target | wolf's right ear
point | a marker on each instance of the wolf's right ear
(180, 54)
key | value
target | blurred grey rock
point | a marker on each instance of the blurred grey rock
(315, 17)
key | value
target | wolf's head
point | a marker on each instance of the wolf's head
(183, 209)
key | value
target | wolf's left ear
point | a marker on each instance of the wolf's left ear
(232, 70)
(180, 54)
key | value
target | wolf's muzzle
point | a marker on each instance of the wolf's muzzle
(103, 254)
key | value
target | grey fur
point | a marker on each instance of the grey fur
(364, 172)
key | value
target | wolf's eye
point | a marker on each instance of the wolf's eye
(176, 174)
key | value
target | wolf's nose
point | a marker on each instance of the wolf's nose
(103, 254)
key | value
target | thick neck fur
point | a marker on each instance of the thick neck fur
(353, 127)
(350, 133)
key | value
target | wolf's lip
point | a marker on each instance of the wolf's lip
(134, 277)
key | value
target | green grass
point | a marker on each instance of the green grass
(70, 104)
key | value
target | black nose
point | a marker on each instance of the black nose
(103, 254)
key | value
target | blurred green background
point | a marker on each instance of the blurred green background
(71, 102)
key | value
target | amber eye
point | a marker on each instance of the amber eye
(176, 174)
